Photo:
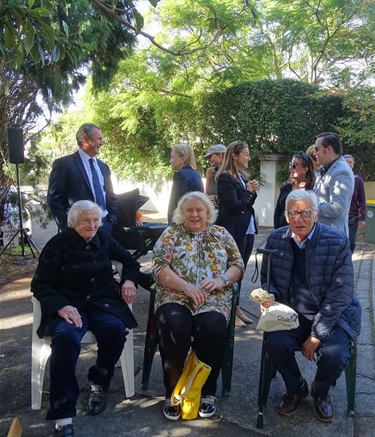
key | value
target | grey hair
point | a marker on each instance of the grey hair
(178, 216)
(348, 155)
(78, 207)
(185, 151)
(308, 196)
(86, 129)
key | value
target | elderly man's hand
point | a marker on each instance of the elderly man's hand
(309, 347)
(128, 291)
(267, 303)
(71, 315)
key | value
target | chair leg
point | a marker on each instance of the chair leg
(227, 364)
(151, 341)
(127, 365)
(148, 357)
(350, 377)
(40, 354)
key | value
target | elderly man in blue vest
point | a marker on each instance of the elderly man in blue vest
(334, 185)
(312, 272)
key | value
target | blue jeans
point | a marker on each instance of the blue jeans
(110, 333)
(333, 355)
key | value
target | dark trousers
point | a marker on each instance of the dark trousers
(110, 333)
(333, 355)
(176, 326)
(245, 246)
(353, 228)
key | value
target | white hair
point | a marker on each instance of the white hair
(78, 207)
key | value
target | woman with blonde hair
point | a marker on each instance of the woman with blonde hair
(186, 178)
(195, 265)
(236, 196)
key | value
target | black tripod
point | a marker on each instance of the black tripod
(24, 238)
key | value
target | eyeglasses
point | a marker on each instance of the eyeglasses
(306, 213)
(293, 165)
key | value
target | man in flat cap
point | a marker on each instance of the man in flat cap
(214, 155)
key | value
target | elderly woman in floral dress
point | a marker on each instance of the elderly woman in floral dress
(195, 266)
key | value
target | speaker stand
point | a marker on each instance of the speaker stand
(21, 231)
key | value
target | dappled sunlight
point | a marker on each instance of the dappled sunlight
(16, 321)
(14, 294)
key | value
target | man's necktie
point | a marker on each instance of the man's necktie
(99, 196)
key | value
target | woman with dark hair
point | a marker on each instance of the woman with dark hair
(302, 176)
(236, 196)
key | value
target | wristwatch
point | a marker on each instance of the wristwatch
(225, 279)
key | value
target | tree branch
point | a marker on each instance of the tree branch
(111, 12)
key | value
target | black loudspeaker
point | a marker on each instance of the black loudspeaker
(15, 145)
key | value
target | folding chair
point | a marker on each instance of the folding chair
(152, 341)
(41, 350)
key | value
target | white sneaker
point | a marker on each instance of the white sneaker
(207, 406)
(171, 412)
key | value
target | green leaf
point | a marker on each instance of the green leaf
(154, 2)
(10, 35)
(139, 21)
(66, 28)
(31, 3)
(39, 12)
(19, 59)
(29, 32)
(56, 54)
(41, 54)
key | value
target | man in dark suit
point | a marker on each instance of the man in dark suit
(80, 176)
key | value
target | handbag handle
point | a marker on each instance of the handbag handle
(192, 368)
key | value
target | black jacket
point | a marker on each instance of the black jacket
(68, 183)
(74, 272)
(235, 206)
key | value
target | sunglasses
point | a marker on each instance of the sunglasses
(293, 165)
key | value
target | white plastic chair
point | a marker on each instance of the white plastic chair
(41, 350)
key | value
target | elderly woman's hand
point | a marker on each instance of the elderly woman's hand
(128, 291)
(213, 284)
(197, 295)
(71, 315)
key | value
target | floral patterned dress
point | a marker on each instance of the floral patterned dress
(194, 257)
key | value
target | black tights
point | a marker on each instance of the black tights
(176, 327)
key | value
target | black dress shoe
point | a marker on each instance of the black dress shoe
(290, 403)
(322, 407)
(64, 431)
(97, 400)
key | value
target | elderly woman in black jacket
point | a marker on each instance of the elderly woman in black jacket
(75, 286)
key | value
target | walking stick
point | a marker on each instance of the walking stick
(270, 253)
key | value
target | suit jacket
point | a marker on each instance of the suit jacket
(184, 181)
(74, 272)
(68, 183)
(334, 190)
(235, 206)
